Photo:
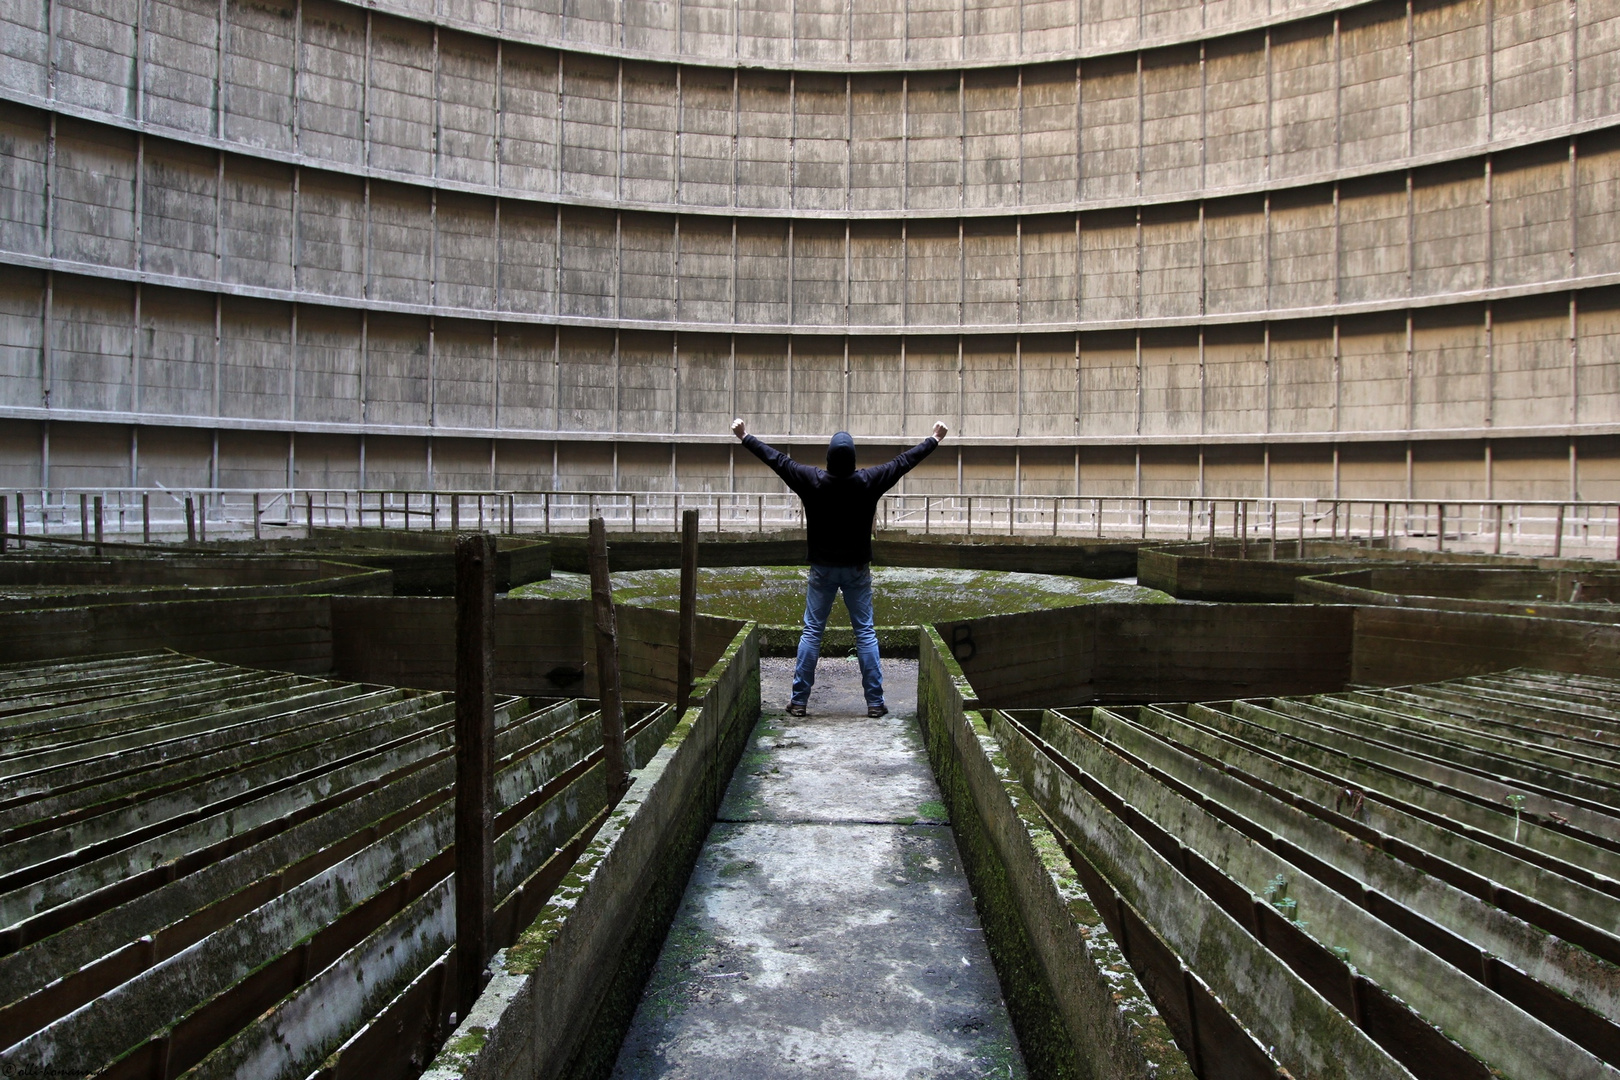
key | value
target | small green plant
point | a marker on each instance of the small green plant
(1287, 906)
(1517, 802)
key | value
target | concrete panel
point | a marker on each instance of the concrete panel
(467, 107)
(989, 472)
(24, 63)
(1235, 98)
(1303, 260)
(648, 276)
(528, 102)
(464, 275)
(89, 455)
(1234, 472)
(331, 83)
(256, 223)
(1451, 386)
(1172, 276)
(92, 345)
(1373, 250)
(1235, 377)
(1597, 358)
(1449, 51)
(990, 264)
(589, 272)
(401, 244)
(1373, 362)
(1109, 385)
(1172, 120)
(1533, 365)
(877, 398)
(460, 465)
(764, 140)
(707, 266)
(704, 383)
(463, 374)
(94, 195)
(1375, 96)
(328, 366)
(179, 210)
(1597, 203)
(253, 459)
(1172, 383)
(528, 258)
(1531, 218)
(644, 467)
(1050, 276)
(23, 152)
(1049, 402)
(1449, 239)
(178, 355)
(992, 149)
(1110, 158)
(933, 386)
(876, 288)
(1366, 470)
(1108, 265)
(818, 386)
(1304, 386)
(586, 392)
(646, 382)
(261, 54)
(22, 327)
(1305, 471)
(326, 461)
(526, 379)
(819, 274)
(20, 445)
(587, 467)
(707, 165)
(400, 98)
(395, 462)
(398, 372)
(650, 123)
(1447, 470)
(589, 105)
(1304, 99)
(1597, 74)
(332, 234)
(1234, 255)
(820, 145)
(990, 387)
(175, 458)
(1107, 471)
(179, 63)
(878, 32)
(1048, 122)
(521, 465)
(933, 147)
(255, 375)
(761, 279)
(1167, 471)
(762, 386)
(933, 273)
(1531, 67)
(1531, 469)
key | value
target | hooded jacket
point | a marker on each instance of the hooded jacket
(840, 500)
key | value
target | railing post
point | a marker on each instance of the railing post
(84, 516)
(607, 662)
(475, 763)
(1273, 531)
(146, 517)
(1142, 508)
(1440, 527)
(1558, 533)
(1099, 517)
(1301, 552)
(1011, 512)
(970, 515)
(455, 513)
(928, 513)
(5, 523)
(1213, 507)
(1057, 501)
(548, 512)
(1189, 520)
(22, 522)
(99, 525)
(256, 515)
(632, 511)
(191, 521)
(1242, 513)
(309, 511)
(688, 609)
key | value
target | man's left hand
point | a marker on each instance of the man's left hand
(738, 428)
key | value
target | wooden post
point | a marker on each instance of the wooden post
(455, 514)
(1099, 517)
(146, 517)
(475, 763)
(1143, 509)
(309, 510)
(688, 634)
(191, 520)
(1301, 552)
(1056, 506)
(202, 518)
(99, 525)
(1274, 532)
(761, 519)
(84, 516)
(970, 515)
(5, 523)
(607, 663)
(1209, 545)
(1243, 529)
(511, 513)
(22, 522)
(1440, 527)
(928, 513)
(256, 515)
(1558, 533)
(548, 513)
(1189, 520)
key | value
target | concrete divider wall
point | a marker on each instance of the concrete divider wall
(1395, 646)
(1141, 652)
(1076, 1004)
(563, 995)
(1541, 593)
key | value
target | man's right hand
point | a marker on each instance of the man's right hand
(739, 429)
(940, 431)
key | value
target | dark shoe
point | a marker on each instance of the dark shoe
(796, 710)
(875, 711)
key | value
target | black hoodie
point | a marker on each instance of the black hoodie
(838, 509)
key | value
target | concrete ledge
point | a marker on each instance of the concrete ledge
(1076, 1004)
(563, 995)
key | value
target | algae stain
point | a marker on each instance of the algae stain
(933, 810)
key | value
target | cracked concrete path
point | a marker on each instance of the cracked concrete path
(827, 929)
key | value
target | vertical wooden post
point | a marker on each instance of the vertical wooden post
(1209, 545)
(761, 518)
(1440, 528)
(511, 513)
(202, 518)
(146, 517)
(607, 662)
(1243, 529)
(928, 513)
(22, 522)
(548, 513)
(256, 515)
(1055, 506)
(1273, 531)
(1301, 552)
(688, 634)
(84, 516)
(99, 525)
(475, 762)
(1189, 520)
(1099, 519)
(455, 514)
(309, 510)
(1558, 533)
(5, 523)
(191, 520)
(1143, 508)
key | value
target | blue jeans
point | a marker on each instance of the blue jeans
(823, 586)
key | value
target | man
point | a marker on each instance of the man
(839, 504)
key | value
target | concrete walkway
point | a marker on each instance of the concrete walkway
(827, 930)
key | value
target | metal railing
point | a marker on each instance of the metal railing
(1523, 527)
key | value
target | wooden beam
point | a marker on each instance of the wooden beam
(607, 663)
(475, 762)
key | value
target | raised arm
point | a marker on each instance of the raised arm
(885, 476)
(798, 477)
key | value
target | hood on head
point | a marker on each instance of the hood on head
(841, 454)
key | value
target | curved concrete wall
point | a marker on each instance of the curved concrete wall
(1216, 249)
